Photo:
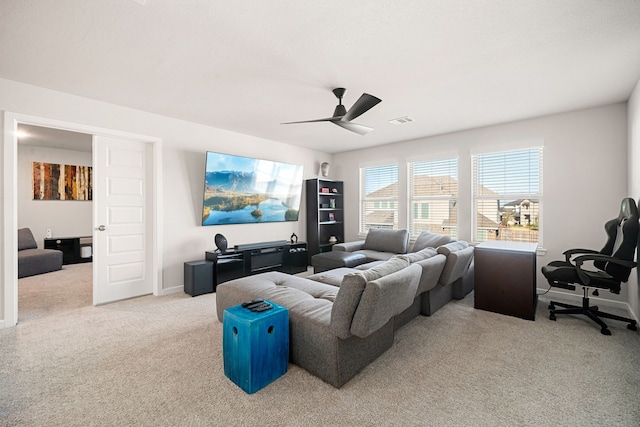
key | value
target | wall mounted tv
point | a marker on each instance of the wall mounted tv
(239, 190)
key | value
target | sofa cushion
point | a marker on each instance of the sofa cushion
(351, 289)
(38, 261)
(385, 240)
(421, 255)
(333, 277)
(26, 240)
(376, 255)
(429, 240)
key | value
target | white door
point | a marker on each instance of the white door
(122, 255)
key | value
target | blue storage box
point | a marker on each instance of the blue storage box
(255, 345)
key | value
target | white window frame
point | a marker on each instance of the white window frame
(390, 202)
(538, 196)
(414, 200)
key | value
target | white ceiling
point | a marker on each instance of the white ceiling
(249, 65)
(54, 138)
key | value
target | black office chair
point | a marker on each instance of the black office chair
(613, 263)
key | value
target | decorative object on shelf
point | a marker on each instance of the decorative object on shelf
(52, 181)
(332, 216)
(334, 190)
(333, 240)
(332, 203)
(294, 238)
(324, 190)
(324, 168)
(221, 242)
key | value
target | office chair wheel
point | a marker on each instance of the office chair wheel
(552, 316)
(632, 327)
(605, 331)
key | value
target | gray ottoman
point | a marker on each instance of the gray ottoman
(336, 259)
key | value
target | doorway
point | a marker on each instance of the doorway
(10, 187)
(55, 222)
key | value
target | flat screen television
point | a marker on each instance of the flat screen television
(239, 190)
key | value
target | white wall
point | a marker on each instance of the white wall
(585, 174)
(65, 218)
(634, 183)
(184, 146)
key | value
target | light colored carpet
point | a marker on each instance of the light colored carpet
(157, 361)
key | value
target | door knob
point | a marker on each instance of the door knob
(102, 228)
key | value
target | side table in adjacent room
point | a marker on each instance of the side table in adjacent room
(255, 345)
(505, 278)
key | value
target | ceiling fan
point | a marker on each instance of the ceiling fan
(342, 117)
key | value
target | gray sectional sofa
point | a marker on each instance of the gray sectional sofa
(31, 260)
(456, 279)
(343, 319)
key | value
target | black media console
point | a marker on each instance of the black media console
(245, 260)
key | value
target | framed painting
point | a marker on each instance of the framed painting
(52, 181)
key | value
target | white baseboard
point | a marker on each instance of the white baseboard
(172, 290)
(576, 299)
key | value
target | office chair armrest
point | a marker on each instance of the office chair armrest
(597, 257)
(605, 258)
(570, 252)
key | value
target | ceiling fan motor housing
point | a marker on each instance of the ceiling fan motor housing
(340, 109)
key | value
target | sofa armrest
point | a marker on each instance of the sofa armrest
(456, 266)
(384, 298)
(431, 271)
(349, 246)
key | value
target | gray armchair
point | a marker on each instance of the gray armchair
(31, 260)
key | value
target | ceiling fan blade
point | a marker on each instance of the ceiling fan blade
(353, 127)
(362, 105)
(328, 119)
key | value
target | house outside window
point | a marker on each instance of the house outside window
(507, 195)
(433, 196)
(378, 197)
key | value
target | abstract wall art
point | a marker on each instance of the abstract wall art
(53, 181)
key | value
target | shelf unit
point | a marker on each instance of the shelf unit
(325, 214)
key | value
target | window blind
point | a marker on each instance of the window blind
(433, 197)
(507, 195)
(379, 197)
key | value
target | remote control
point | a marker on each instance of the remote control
(263, 308)
(254, 302)
(262, 304)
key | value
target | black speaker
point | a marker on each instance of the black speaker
(221, 242)
(198, 277)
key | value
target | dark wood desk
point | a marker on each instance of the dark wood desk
(505, 278)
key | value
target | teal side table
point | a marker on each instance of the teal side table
(255, 346)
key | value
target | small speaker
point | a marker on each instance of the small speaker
(221, 242)
(198, 277)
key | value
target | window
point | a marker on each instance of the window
(433, 197)
(378, 197)
(507, 195)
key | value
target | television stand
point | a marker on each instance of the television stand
(245, 260)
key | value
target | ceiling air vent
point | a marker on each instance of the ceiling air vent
(401, 120)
